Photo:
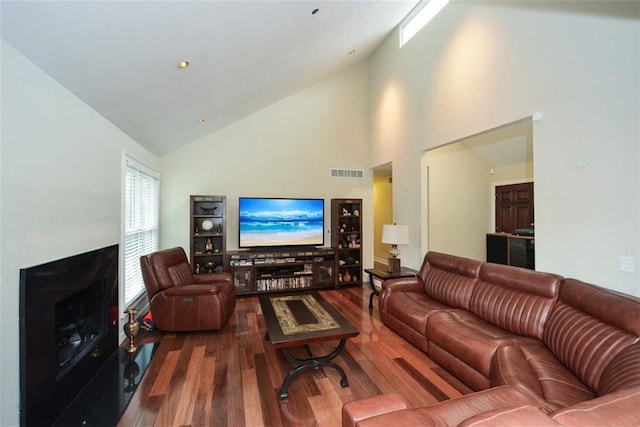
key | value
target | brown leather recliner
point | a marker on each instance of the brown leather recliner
(183, 301)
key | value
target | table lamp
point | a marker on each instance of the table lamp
(395, 235)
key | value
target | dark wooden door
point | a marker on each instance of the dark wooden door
(514, 207)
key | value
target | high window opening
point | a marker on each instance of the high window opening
(142, 223)
(419, 17)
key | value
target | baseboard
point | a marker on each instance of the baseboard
(384, 261)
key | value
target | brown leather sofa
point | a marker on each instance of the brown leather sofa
(182, 301)
(537, 349)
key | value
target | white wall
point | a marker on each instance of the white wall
(285, 150)
(460, 191)
(510, 174)
(458, 185)
(477, 66)
(60, 191)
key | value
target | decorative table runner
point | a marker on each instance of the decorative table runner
(301, 313)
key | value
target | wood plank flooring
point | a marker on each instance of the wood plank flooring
(232, 377)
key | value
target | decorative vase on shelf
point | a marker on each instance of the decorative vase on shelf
(210, 265)
(131, 329)
(347, 277)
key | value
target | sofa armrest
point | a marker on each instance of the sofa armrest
(401, 284)
(454, 411)
(358, 410)
(212, 278)
(191, 291)
(510, 367)
(404, 284)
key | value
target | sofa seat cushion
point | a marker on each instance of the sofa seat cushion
(470, 338)
(536, 372)
(413, 309)
(522, 415)
(618, 409)
(406, 417)
(452, 412)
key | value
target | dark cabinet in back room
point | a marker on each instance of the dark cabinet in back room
(511, 249)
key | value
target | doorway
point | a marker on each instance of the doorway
(514, 207)
(460, 179)
(382, 210)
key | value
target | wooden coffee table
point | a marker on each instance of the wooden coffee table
(299, 320)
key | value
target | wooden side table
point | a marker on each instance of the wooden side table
(383, 274)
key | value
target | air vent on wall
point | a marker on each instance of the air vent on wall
(346, 173)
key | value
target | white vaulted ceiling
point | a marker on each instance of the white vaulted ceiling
(121, 57)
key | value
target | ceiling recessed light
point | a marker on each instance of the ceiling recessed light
(314, 11)
(183, 64)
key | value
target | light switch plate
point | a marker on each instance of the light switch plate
(626, 264)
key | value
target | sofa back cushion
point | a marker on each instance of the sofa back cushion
(589, 328)
(181, 274)
(515, 299)
(449, 279)
(170, 268)
(622, 372)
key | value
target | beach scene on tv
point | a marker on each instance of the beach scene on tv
(281, 222)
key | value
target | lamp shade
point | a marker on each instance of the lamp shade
(394, 234)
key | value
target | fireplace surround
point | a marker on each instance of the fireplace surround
(68, 330)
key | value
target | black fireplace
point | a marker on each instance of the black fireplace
(68, 330)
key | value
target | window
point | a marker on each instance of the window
(142, 223)
(419, 17)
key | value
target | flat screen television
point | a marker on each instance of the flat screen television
(280, 222)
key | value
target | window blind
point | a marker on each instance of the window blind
(142, 223)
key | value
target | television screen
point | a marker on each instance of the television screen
(280, 222)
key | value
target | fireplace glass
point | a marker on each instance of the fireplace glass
(81, 322)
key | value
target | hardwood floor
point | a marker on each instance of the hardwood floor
(232, 377)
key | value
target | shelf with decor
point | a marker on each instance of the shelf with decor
(346, 239)
(273, 271)
(207, 233)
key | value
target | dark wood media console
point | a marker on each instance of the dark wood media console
(281, 270)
